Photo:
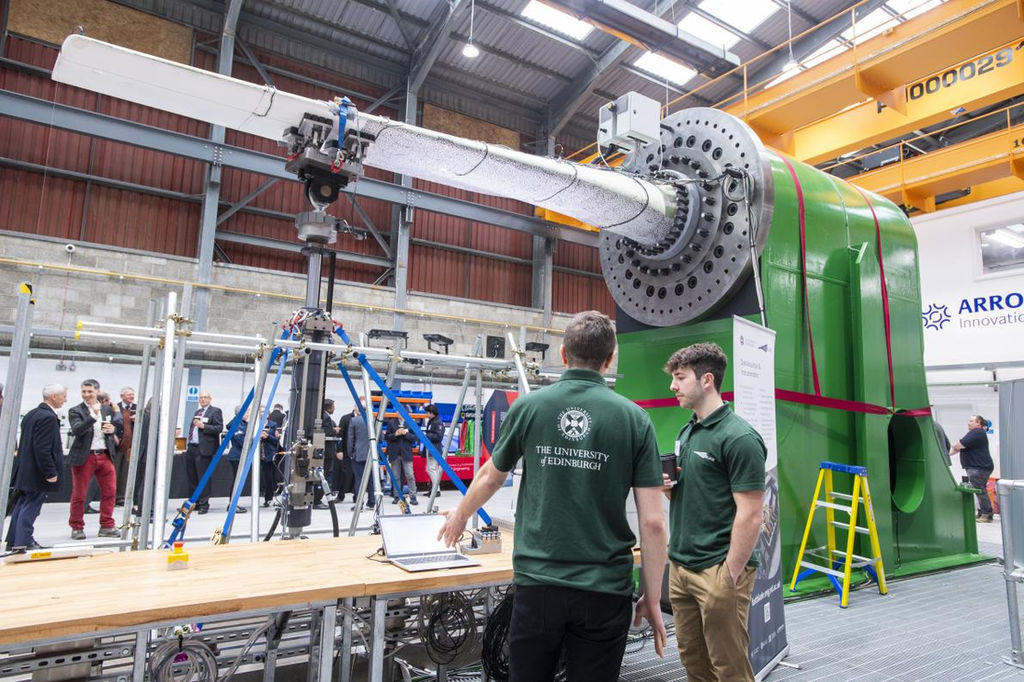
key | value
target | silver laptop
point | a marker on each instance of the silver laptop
(410, 542)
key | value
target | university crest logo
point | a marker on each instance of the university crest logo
(573, 423)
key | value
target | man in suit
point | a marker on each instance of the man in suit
(401, 441)
(344, 474)
(95, 428)
(203, 441)
(39, 466)
(358, 442)
(330, 452)
(127, 407)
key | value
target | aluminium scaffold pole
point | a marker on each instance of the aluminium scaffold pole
(165, 440)
(152, 434)
(140, 401)
(446, 442)
(15, 383)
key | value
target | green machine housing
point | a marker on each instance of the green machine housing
(757, 232)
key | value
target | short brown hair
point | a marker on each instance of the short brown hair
(702, 358)
(589, 340)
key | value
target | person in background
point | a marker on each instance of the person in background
(344, 473)
(236, 451)
(39, 466)
(434, 431)
(278, 415)
(583, 449)
(358, 442)
(330, 452)
(976, 461)
(95, 428)
(127, 407)
(401, 441)
(715, 515)
(270, 440)
(202, 443)
(140, 469)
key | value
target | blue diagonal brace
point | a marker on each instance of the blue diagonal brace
(430, 447)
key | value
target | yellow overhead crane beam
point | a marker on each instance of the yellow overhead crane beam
(988, 190)
(983, 161)
(880, 67)
(978, 82)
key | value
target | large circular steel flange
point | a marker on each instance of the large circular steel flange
(724, 204)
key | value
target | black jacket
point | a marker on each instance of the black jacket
(209, 432)
(435, 432)
(332, 437)
(343, 434)
(81, 421)
(40, 452)
(399, 445)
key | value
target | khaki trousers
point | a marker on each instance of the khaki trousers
(711, 622)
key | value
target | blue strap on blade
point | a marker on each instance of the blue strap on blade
(430, 447)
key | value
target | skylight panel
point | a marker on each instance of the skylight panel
(664, 68)
(708, 31)
(909, 9)
(557, 20)
(869, 26)
(744, 16)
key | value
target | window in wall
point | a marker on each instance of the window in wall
(1002, 248)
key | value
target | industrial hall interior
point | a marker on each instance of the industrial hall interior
(511, 340)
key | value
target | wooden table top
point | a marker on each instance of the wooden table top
(58, 599)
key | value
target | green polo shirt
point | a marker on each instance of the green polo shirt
(720, 455)
(583, 447)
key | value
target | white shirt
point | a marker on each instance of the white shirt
(99, 441)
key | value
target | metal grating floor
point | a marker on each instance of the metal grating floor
(946, 626)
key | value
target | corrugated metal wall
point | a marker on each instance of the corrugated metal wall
(40, 203)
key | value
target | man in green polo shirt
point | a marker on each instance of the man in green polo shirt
(583, 448)
(714, 520)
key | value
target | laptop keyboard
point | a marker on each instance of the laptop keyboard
(431, 558)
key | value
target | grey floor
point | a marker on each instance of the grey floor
(946, 626)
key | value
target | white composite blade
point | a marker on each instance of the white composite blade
(180, 89)
(630, 206)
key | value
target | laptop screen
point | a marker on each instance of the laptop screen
(412, 534)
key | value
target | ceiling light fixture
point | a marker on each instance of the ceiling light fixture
(792, 63)
(470, 50)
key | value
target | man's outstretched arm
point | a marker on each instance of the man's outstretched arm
(488, 481)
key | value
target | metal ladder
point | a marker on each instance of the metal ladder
(835, 563)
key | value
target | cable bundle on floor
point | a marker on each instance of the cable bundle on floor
(447, 625)
(494, 654)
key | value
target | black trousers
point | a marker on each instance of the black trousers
(344, 478)
(591, 627)
(979, 479)
(268, 478)
(195, 467)
(330, 464)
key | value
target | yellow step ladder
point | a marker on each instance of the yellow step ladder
(835, 563)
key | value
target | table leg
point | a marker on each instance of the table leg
(141, 653)
(380, 606)
(345, 662)
(328, 628)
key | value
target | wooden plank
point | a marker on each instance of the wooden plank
(51, 599)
